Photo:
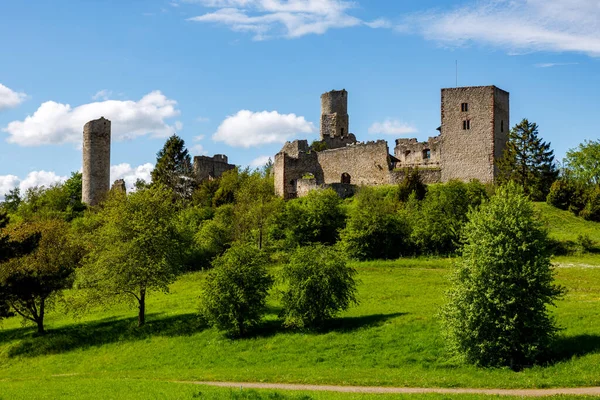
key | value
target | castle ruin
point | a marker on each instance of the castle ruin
(209, 168)
(96, 161)
(473, 134)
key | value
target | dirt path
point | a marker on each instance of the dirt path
(589, 391)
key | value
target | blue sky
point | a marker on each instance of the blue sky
(241, 77)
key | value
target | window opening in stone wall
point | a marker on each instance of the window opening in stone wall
(346, 178)
(342, 131)
(466, 124)
(464, 107)
(501, 126)
(426, 154)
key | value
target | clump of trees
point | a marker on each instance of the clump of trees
(497, 310)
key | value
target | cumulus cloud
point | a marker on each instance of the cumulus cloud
(260, 161)
(131, 174)
(247, 128)
(516, 25)
(9, 98)
(103, 94)
(391, 127)
(291, 18)
(56, 123)
(33, 179)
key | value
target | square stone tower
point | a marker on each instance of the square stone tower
(474, 131)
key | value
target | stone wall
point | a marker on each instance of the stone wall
(96, 161)
(501, 124)
(211, 167)
(427, 175)
(468, 153)
(412, 153)
(293, 162)
(335, 121)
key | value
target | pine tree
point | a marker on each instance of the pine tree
(528, 161)
(174, 168)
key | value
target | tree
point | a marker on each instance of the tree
(234, 294)
(583, 163)
(174, 168)
(135, 250)
(412, 183)
(31, 282)
(320, 285)
(497, 310)
(12, 200)
(528, 161)
(374, 228)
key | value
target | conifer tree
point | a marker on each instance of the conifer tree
(174, 168)
(528, 161)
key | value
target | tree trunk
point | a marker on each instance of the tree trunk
(142, 308)
(40, 318)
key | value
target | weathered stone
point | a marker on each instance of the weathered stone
(119, 186)
(96, 161)
(209, 168)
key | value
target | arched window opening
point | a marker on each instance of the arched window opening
(346, 178)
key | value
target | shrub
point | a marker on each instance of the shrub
(233, 296)
(374, 228)
(591, 211)
(438, 220)
(497, 313)
(560, 194)
(320, 284)
(411, 183)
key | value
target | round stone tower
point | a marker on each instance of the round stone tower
(96, 161)
(334, 114)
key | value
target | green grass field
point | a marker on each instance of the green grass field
(391, 339)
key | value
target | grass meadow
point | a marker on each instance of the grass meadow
(392, 338)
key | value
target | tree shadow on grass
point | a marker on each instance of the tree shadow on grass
(105, 331)
(344, 324)
(567, 347)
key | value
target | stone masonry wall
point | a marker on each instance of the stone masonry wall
(412, 153)
(335, 121)
(428, 175)
(501, 124)
(96, 161)
(210, 167)
(468, 153)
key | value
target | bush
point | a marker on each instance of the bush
(320, 284)
(234, 294)
(411, 183)
(437, 221)
(374, 228)
(591, 211)
(560, 194)
(497, 313)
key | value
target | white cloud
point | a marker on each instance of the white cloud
(291, 18)
(391, 127)
(198, 149)
(516, 25)
(9, 98)
(103, 94)
(247, 128)
(550, 65)
(34, 178)
(130, 174)
(56, 123)
(260, 161)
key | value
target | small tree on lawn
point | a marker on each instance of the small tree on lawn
(320, 285)
(497, 310)
(135, 250)
(234, 294)
(32, 281)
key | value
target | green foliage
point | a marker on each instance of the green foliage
(583, 163)
(374, 228)
(229, 184)
(174, 168)
(320, 285)
(188, 223)
(411, 183)
(315, 218)
(497, 313)
(318, 145)
(31, 282)
(12, 200)
(233, 296)
(438, 220)
(528, 161)
(256, 208)
(561, 194)
(591, 211)
(215, 235)
(205, 193)
(136, 249)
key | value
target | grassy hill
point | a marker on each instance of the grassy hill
(391, 338)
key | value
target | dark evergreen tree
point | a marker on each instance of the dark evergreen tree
(174, 168)
(12, 199)
(528, 161)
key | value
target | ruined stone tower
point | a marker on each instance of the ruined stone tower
(96, 161)
(474, 131)
(335, 121)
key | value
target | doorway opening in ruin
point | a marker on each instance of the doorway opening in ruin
(426, 154)
(346, 178)
(342, 132)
